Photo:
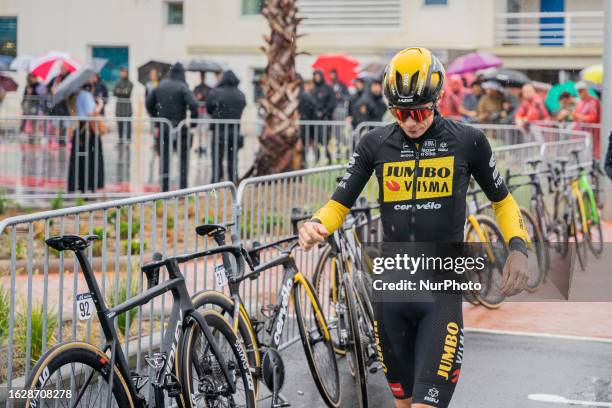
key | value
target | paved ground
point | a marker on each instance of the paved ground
(499, 371)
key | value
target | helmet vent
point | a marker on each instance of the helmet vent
(399, 82)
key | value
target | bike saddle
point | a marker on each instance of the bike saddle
(575, 152)
(212, 229)
(70, 242)
(534, 162)
(561, 159)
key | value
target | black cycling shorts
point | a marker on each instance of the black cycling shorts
(420, 345)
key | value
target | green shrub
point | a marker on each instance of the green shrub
(79, 201)
(36, 331)
(116, 296)
(57, 202)
(4, 313)
(124, 228)
(3, 201)
(135, 246)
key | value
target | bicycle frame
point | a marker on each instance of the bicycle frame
(182, 315)
(585, 185)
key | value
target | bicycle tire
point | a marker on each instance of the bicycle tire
(355, 343)
(594, 229)
(222, 303)
(329, 392)
(539, 249)
(78, 353)
(320, 279)
(562, 226)
(468, 295)
(579, 237)
(490, 296)
(543, 221)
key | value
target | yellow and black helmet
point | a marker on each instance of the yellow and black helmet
(413, 77)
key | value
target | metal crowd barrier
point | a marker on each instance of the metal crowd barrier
(40, 285)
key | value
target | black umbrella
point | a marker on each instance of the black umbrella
(507, 77)
(75, 81)
(7, 83)
(202, 65)
(143, 70)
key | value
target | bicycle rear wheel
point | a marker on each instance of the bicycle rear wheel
(81, 369)
(326, 280)
(201, 374)
(537, 249)
(576, 232)
(317, 342)
(495, 251)
(594, 230)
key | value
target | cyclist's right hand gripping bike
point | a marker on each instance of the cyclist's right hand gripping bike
(201, 362)
(262, 350)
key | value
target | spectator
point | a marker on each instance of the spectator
(340, 89)
(490, 104)
(588, 112)
(99, 91)
(307, 109)
(60, 109)
(152, 83)
(451, 102)
(226, 101)
(123, 108)
(351, 110)
(30, 105)
(326, 103)
(470, 102)
(170, 100)
(531, 109)
(567, 104)
(201, 92)
(86, 165)
(371, 107)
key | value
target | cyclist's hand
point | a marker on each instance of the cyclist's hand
(514, 276)
(312, 233)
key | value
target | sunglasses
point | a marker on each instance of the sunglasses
(418, 114)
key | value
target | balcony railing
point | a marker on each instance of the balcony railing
(557, 29)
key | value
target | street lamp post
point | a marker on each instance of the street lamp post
(606, 117)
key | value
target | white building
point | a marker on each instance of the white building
(132, 32)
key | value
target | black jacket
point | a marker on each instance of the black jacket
(172, 98)
(226, 101)
(325, 97)
(608, 163)
(368, 108)
(307, 106)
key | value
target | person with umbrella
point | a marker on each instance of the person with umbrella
(201, 92)
(340, 89)
(307, 108)
(470, 102)
(60, 109)
(567, 104)
(451, 102)
(152, 82)
(490, 106)
(170, 100)
(531, 108)
(588, 111)
(86, 164)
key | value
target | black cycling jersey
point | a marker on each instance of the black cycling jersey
(422, 182)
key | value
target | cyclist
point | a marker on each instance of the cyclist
(423, 163)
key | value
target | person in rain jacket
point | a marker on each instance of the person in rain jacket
(307, 109)
(225, 102)
(326, 103)
(170, 100)
(123, 108)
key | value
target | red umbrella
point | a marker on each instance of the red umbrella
(343, 64)
(7, 83)
(48, 66)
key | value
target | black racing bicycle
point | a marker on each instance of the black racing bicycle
(262, 334)
(201, 361)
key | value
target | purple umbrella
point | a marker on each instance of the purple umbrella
(473, 62)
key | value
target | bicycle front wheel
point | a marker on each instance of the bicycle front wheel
(594, 230)
(537, 249)
(317, 342)
(204, 383)
(81, 372)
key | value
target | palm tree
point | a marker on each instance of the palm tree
(280, 144)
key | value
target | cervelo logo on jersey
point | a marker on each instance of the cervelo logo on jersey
(431, 205)
(434, 179)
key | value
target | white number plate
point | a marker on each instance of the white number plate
(85, 306)
(220, 277)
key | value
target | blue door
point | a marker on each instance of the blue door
(117, 57)
(552, 28)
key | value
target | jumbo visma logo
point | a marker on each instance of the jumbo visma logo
(434, 179)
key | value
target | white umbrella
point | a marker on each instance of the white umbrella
(75, 81)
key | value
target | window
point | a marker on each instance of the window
(252, 7)
(174, 13)
(117, 57)
(8, 36)
(436, 2)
